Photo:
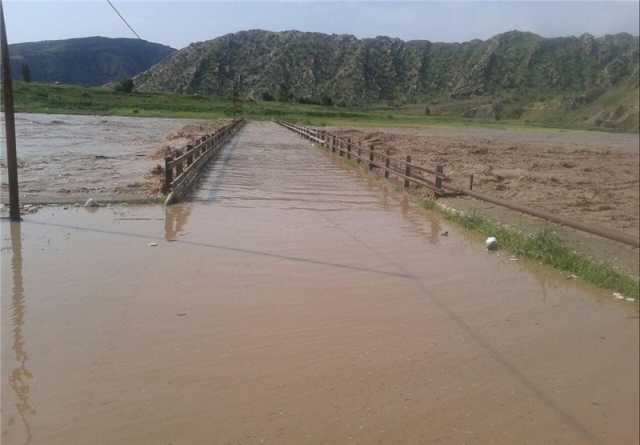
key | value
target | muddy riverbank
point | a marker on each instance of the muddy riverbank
(590, 177)
(69, 158)
(295, 301)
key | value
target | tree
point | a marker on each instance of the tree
(125, 86)
(235, 93)
(327, 101)
(26, 73)
(284, 94)
(268, 97)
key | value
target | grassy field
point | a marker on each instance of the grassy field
(67, 99)
(547, 248)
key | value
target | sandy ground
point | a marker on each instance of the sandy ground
(590, 177)
(295, 302)
(68, 159)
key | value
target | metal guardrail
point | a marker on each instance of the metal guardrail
(405, 170)
(183, 167)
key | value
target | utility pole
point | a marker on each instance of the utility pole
(10, 123)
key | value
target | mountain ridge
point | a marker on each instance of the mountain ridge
(94, 60)
(513, 75)
(385, 68)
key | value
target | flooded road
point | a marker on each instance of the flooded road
(294, 301)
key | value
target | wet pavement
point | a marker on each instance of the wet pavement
(295, 300)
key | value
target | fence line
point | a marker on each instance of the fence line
(404, 169)
(373, 158)
(183, 167)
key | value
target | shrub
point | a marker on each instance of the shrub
(327, 101)
(26, 73)
(125, 86)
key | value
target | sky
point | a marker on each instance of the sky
(177, 23)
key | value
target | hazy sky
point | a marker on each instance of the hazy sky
(178, 23)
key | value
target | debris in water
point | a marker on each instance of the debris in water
(445, 233)
(514, 259)
(91, 203)
(491, 243)
(618, 296)
(630, 300)
(152, 244)
(181, 314)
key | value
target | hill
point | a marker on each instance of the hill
(85, 61)
(514, 75)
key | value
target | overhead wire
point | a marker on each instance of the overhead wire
(123, 19)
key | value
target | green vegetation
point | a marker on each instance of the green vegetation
(515, 76)
(547, 248)
(26, 72)
(125, 86)
(69, 99)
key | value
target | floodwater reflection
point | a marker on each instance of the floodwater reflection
(176, 217)
(19, 377)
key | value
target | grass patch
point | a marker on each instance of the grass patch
(546, 247)
(73, 99)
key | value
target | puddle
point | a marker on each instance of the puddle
(293, 302)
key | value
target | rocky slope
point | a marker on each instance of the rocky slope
(342, 69)
(85, 61)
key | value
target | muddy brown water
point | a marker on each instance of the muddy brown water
(293, 301)
(67, 158)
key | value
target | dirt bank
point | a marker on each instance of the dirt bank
(67, 159)
(586, 176)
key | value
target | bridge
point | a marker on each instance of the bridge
(293, 298)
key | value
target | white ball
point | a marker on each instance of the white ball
(491, 243)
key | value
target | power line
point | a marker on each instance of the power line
(124, 20)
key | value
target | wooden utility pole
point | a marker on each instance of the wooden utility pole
(10, 123)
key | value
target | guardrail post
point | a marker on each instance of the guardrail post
(359, 152)
(333, 143)
(168, 174)
(471, 182)
(440, 173)
(387, 163)
(348, 148)
(407, 172)
(189, 158)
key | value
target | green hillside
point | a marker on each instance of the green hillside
(85, 61)
(516, 75)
